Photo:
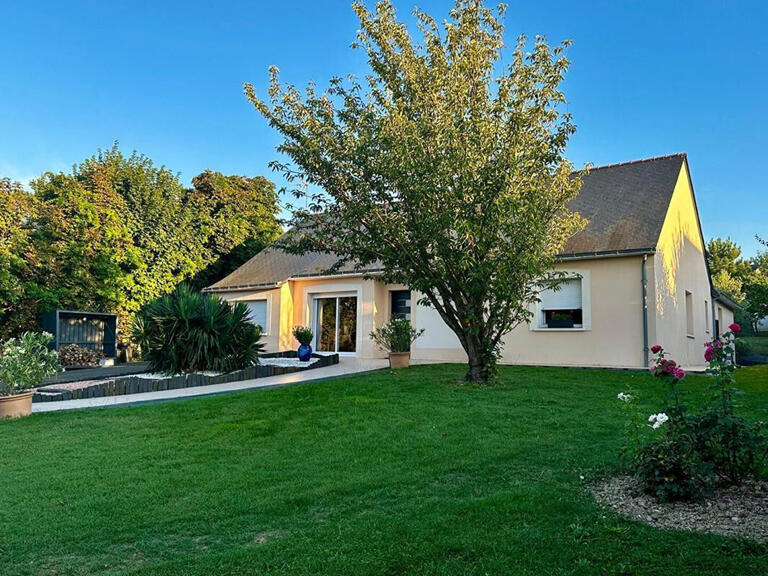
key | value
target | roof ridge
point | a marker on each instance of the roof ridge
(630, 162)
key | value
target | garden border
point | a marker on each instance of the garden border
(134, 384)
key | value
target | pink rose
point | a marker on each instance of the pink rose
(718, 344)
(735, 328)
(708, 354)
(656, 348)
(679, 373)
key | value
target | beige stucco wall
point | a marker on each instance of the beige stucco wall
(678, 267)
(612, 333)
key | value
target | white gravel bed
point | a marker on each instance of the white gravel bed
(286, 362)
(69, 385)
(160, 376)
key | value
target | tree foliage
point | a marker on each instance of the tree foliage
(745, 280)
(237, 216)
(15, 254)
(118, 232)
(729, 270)
(442, 166)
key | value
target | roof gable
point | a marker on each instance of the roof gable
(625, 205)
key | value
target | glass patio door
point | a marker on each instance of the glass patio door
(336, 324)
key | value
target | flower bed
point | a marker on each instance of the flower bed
(138, 383)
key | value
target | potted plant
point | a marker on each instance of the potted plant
(304, 335)
(396, 336)
(560, 320)
(24, 362)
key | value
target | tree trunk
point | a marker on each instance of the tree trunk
(482, 361)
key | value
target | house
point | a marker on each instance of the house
(639, 278)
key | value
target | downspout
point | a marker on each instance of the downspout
(644, 277)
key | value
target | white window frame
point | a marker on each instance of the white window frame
(706, 316)
(325, 292)
(586, 306)
(689, 310)
(268, 299)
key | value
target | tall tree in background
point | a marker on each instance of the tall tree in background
(238, 217)
(118, 232)
(756, 288)
(453, 178)
(729, 270)
(744, 280)
(17, 208)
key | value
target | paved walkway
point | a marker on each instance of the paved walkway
(346, 366)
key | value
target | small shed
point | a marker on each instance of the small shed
(94, 330)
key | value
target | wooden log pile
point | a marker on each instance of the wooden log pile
(74, 355)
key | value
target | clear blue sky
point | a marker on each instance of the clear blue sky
(165, 78)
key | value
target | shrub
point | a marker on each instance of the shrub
(303, 334)
(74, 355)
(186, 331)
(693, 452)
(397, 335)
(25, 362)
(670, 467)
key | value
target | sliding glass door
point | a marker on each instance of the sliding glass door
(335, 324)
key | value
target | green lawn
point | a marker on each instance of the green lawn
(389, 473)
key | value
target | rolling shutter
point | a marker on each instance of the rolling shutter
(257, 313)
(568, 297)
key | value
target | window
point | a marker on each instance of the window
(689, 313)
(400, 304)
(257, 314)
(335, 321)
(562, 308)
(706, 316)
(718, 322)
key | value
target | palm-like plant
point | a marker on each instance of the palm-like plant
(186, 331)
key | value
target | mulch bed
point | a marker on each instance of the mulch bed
(739, 511)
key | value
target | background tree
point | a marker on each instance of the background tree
(756, 287)
(729, 270)
(16, 214)
(238, 216)
(118, 232)
(453, 178)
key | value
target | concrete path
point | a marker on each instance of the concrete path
(346, 366)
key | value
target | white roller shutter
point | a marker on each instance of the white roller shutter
(568, 297)
(257, 313)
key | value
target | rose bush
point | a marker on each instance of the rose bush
(689, 453)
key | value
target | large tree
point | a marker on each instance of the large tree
(238, 216)
(117, 232)
(17, 207)
(443, 166)
(729, 270)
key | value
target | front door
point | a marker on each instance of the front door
(335, 322)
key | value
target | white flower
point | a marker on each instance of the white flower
(624, 397)
(657, 420)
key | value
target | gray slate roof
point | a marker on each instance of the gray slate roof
(625, 205)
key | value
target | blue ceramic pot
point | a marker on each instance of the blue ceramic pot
(305, 352)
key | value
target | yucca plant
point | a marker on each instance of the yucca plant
(187, 331)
